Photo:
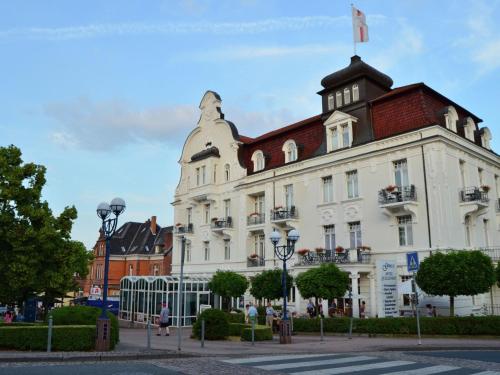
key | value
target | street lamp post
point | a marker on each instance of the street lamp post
(283, 253)
(104, 210)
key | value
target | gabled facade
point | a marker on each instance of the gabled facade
(381, 171)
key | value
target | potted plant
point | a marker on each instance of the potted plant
(214, 219)
(485, 188)
(278, 207)
(390, 188)
(320, 250)
(253, 256)
(339, 249)
(303, 252)
(365, 248)
(178, 225)
(254, 214)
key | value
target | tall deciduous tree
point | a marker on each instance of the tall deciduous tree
(498, 274)
(228, 284)
(37, 254)
(268, 284)
(455, 274)
(326, 281)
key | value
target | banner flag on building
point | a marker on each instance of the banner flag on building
(359, 26)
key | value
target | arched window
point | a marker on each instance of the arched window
(451, 118)
(290, 150)
(347, 96)
(469, 128)
(485, 138)
(258, 161)
(227, 172)
(330, 102)
(338, 98)
(355, 92)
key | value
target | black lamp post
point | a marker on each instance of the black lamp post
(284, 252)
(104, 210)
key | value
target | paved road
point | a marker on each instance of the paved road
(329, 364)
(480, 355)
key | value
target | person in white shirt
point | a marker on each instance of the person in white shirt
(269, 315)
(164, 321)
(252, 314)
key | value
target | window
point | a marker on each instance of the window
(259, 204)
(352, 184)
(347, 96)
(401, 173)
(227, 172)
(462, 172)
(206, 250)
(130, 270)
(198, 180)
(227, 208)
(451, 118)
(486, 235)
(330, 102)
(485, 137)
(334, 138)
(405, 230)
(338, 98)
(345, 136)
(327, 189)
(469, 128)
(355, 234)
(207, 213)
(288, 196)
(258, 161)
(215, 173)
(187, 254)
(339, 130)
(259, 246)
(156, 270)
(189, 214)
(227, 250)
(203, 175)
(497, 185)
(330, 237)
(355, 92)
(290, 150)
(467, 224)
(480, 174)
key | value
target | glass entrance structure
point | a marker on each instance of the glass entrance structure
(141, 298)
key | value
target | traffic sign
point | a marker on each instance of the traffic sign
(412, 261)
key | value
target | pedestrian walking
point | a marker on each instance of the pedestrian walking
(310, 309)
(434, 312)
(164, 321)
(362, 310)
(269, 315)
(7, 319)
(247, 306)
(252, 314)
(429, 310)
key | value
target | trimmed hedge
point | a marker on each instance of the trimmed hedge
(236, 317)
(487, 325)
(216, 325)
(64, 338)
(84, 315)
(235, 329)
(261, 333)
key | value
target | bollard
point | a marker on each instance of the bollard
(203, 333)
(49, 336)
(321, 327)
(149, 334)
(253, 331)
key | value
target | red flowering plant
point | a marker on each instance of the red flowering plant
(365, 248)
(303, 251)
(178, 225)
(320, 250)
(391, 188)
(339, 249)
(485, 188)
(253, 256)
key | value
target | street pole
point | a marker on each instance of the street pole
(179, 295)
(414, 287)
(283, 282)
(352, 316)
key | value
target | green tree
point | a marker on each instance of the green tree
(326, 281)
(228, 284)
(455, 274)
(498, 274)
(37, 254)
(268, 284)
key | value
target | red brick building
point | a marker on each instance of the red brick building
(137, 249)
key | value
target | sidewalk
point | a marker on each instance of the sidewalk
(133, 345)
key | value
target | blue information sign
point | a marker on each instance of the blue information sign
(412, 261)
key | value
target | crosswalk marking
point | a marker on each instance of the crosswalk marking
(282, 366)
(343, 370)
(274, 358)
(487, 373)
(424, 371)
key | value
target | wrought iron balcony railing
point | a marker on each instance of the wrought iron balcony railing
(223, 223)
(183, 229)
(397, 194)
(278, 214)
(331, 256)
(473, 194)
(256, 218)
(256, 262)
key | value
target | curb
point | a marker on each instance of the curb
(421, 348)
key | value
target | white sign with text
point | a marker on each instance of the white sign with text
(387, 288)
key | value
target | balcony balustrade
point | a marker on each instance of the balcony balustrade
(283, 214)
(331, 256)
(397, 194)
(184, 229)
(473, 194)
(221, 224)
(256, 261)
(256, 219)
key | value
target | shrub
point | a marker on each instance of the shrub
(64, 338)
(216, 325)
(84, 315)
(261, 333)
(235, 329)
(488, 325)
(236, 317)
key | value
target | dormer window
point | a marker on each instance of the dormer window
(451, 118)
(347, 96)
(290, 150)
(469, 128)
(330, 102)
(338, 99)
(334, 138)
(485, 138)
(258, 161)
(339, 131)
(355, 92)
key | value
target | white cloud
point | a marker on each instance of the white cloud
(228, 28)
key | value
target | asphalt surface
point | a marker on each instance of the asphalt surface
(485, 356)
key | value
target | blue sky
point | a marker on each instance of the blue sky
(104, 93)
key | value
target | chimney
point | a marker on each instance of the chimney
(153, 225)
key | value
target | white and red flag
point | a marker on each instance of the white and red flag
(359, 26)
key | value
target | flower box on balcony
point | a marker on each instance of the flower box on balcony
(178, 225)
(320, 250)
(339, 249)
(214, 219)
(303, 252)
(391, 188)
(278, 207)
(253, 256)
(253, 214)
(485, 188)
(365, 248)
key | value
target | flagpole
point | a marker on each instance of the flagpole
(353, 39)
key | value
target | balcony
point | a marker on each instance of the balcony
(256, 261)
(282, 216)
(219, 225)
(398, 199)
(183, 229)
(348, 256)
(492, 252)
(473, 200)
(256, 219)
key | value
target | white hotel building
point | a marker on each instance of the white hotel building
(390, 169)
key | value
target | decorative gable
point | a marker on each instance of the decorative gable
(339, 133)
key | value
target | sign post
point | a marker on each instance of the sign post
(413, 264)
